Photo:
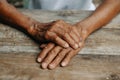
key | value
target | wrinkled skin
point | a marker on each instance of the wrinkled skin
(53, 55)
(38, 30)
(58, 31)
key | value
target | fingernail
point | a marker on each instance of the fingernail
(76, 46)
(63, 64)
(66, 45)
(44, 65)
(39, 59)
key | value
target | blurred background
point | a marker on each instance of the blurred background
(24, 3)
(17, 3)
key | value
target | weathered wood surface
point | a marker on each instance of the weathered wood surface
(104, 41)
(83, 67)
(100, 59)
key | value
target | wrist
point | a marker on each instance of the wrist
(31, 27)
(89, 25)
(26, 23)
(36, 28)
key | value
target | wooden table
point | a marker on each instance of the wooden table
(99, 60)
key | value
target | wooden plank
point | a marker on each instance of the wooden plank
(22, 66)
(71, 16)
(104, 41)
(18, 52)
(14, 41)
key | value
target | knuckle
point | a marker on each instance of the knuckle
(56, 39)
(52, 52)
(60, 55)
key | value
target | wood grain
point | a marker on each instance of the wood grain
(98, 60)
(83, 67)
(104, 41)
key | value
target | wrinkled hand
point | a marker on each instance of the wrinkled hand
(53, 55)
(38, 30)
(64, 34)
(59, 32)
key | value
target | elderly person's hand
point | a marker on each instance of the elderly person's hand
(53, 55)
(59, 32)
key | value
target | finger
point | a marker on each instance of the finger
(58, 58)
(43, 46)
(68, 57)
(54, 37)
(61, 42)
(78, 35)
(75, 37)
(51, 55)
(71, 42)
(76, 32)
(44, 52)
